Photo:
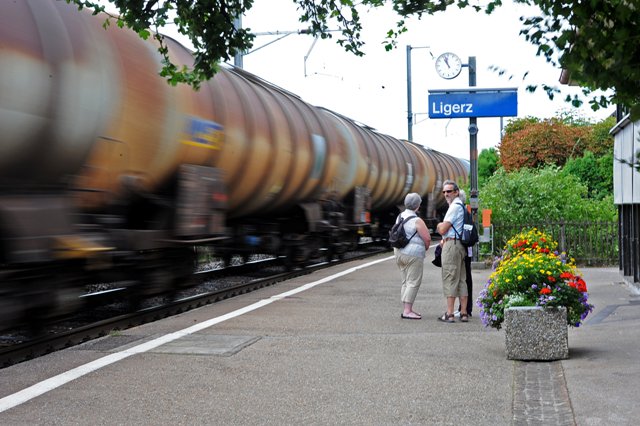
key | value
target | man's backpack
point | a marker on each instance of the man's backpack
(397, 237)
(469, 235)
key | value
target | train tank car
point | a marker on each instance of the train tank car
(108, 172)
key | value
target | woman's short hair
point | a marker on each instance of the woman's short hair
(412, 201)
(462, 195)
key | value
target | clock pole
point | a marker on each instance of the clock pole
(473, 154)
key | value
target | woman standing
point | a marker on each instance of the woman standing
(410, 258)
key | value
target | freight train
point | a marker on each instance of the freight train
(109, 173)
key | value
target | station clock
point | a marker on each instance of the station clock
(448, 65)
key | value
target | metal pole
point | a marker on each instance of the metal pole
(473, 154)
(409, 112)
(238, 58)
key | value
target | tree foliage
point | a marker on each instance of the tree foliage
(209, 25)
(594, 171)
(540, 196)
(488, 163)
(599, 140)
(518, 124)
(538, 144)
(593, 40)
(534, 143)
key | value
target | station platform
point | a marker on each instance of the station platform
(330, 348)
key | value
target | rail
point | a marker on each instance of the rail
(39, 346)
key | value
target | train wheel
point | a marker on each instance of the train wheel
(295, 257)
(183, 264)
(336, 251)
(330, 254)
(182, 268)
(287, 258)
(350, 241)
(11, 304)
(38, 312)
(34, 298)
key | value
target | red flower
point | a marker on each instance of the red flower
(551, 279)
(582, 286)
(545, 290)
(572, 284)
(566, 275)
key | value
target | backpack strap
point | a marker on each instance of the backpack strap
(464, 211)
(407, 220)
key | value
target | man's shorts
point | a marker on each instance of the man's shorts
(454, 272)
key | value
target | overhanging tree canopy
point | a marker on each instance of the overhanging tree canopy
(595, 41)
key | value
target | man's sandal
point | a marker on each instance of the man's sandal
(464, 318)
(446, 318)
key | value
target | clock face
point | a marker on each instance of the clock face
(448, 65)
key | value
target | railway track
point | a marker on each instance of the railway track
(238, 280)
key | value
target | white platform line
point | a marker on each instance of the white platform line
(45, 386)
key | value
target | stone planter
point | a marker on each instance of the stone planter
(536, 334)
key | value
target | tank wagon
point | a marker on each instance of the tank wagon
(108, 172)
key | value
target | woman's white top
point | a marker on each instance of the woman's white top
(416, 244)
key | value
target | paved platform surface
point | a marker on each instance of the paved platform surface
(334, 351)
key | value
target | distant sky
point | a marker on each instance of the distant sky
(373, 89)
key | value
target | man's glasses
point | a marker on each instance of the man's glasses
(448, 191)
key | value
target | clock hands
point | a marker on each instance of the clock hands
(448, 65)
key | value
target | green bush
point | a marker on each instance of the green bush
(595, 172)
(487, 164)
(540, 196)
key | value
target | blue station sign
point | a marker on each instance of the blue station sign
(473, 103)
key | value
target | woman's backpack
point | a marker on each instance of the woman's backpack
(397, 237)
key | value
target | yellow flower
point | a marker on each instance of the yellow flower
(529, 258)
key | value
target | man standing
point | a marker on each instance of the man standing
(453, 254)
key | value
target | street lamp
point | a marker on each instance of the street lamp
(409, 109)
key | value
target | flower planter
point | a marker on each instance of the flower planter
(534, 333)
